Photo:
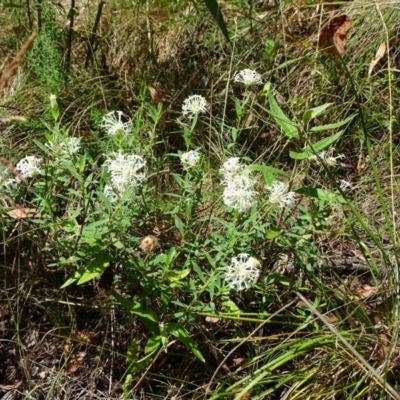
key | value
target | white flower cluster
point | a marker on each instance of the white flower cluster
(194, 105)
(65, 146)
(112, 123)
(243, 272)
(327, 158)
(190, 159)
(125, 171)
(239, 192)
(28, 167)
(279, 194)
(248, 77)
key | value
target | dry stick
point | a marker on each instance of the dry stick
(93, 34)
(394, 394)
(13, 118)
(28, 11)
(68, 52)
(223, 362)
(16, 61)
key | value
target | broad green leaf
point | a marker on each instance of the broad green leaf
(288, 127)
(152, 344)
(272, 234)
(323, 128)
(136, 308)
(182, 334)
(316, 147)
(95, 268)
(176, 276)
(231, 307)
(215, 11)
(314, 112)
(320, 194)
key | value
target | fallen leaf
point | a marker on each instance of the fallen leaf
(74, 362)
(365, 291)
(22, 213)
(332, 318)
(212, 320)
(333, 35)
(379, 54)
(358, 255)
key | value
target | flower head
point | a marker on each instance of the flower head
(113, 125)
(69, 145)
(190, 159)
(326, 157)
(11, 184)
(28, 167)
(241, 198)
(248, 77)
(124, 170)
(235, 173)
(279, 194)
(194, 105)
(243, 272)
(149, 244)
(109, 192)
(344, 185)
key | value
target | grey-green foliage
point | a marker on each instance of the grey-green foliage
(46, 55)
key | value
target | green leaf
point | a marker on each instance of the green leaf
(152, 344)
(95, 268)
(131, 354)
(269, 49)
(183, 335)
(136, 308)
(282, 279)
(314, 112)
(288, 127)
(272, 234)
(179, 225)
(323, 128)
(316, 147)
(231, 307)
(215, 11)
(176, 276)
(320, 194)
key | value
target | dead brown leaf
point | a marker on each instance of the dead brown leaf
(74, 362)
(358, 254)
(22, 213)
(333, 36)
(365, 291)
(379, 54)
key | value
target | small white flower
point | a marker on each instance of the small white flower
(279, 194)
(11, 184)
(326, 157)
(113, 125)
(248, 77)
(190, 159)
(124, 170)
(53, 100)
(243, 272)
(235, 173)
(241, 198)
(66, 146)
(194, 105)
(109, 192)
(344, 185)
(28, 167)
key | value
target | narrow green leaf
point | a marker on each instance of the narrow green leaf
(269, 49)
(182, 334)
(231, 307)
(316, 147)
(152, 344)
(131, 354)
(323, 128)
(136, 308)
(95, 268)
(179, 225)
(320, 194)
(176, 276)
(314, 112)
(215, 11)
(288, 127)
